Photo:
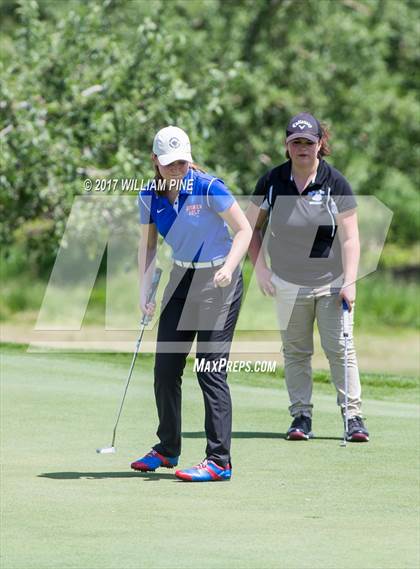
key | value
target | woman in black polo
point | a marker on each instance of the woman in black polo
(313, 245)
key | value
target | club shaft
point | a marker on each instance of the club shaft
(133, 361)
(346, 388)
(346, 334)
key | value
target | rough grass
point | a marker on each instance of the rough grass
(383, 302)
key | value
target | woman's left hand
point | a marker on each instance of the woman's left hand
(348, 293)
(223, 277)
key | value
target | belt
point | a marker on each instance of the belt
(203, 265)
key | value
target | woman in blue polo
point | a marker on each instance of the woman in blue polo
(193, 212)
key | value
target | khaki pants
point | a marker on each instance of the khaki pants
(297, 309)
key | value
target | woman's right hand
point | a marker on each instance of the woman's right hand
(147, 308)
(264, 281)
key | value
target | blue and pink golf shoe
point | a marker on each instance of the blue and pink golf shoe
(206, 471)
(153, 460)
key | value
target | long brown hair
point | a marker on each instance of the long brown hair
(325, 147)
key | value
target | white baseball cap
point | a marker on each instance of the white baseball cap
(170, 144)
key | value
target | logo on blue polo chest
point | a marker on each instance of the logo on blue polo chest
(193, 209)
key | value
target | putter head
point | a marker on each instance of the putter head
(343, 443)
(106, 450)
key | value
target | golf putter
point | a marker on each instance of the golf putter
(144, 322)
(346, 331)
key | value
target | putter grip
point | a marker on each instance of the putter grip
(155, 283)
(152, 293)
(346, 319)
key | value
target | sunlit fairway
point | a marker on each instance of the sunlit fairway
(288, 505)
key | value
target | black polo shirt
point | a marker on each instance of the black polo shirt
(303, 246)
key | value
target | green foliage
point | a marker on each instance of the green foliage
(402, 197)
(395, 256)
(19, 300)
(384, 303)
(86, 85)
(383, 299)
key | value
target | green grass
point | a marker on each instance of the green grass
(307, 505)
(386, 301)
(383, 302)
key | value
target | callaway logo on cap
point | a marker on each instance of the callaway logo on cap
(303, 125)
(170, 144)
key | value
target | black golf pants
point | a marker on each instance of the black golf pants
(192, 307)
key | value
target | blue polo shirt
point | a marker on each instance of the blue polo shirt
(192, 226)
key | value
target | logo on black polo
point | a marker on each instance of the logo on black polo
(316, 197)
(174, 142)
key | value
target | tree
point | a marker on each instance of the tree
(88, 85)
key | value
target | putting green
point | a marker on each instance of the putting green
(289, 505)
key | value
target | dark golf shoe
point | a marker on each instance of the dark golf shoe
(153, 460)
(300, 429)
(357, 432)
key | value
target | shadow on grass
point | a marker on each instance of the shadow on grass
(149, 476)
(154, 476)
(253, 435)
